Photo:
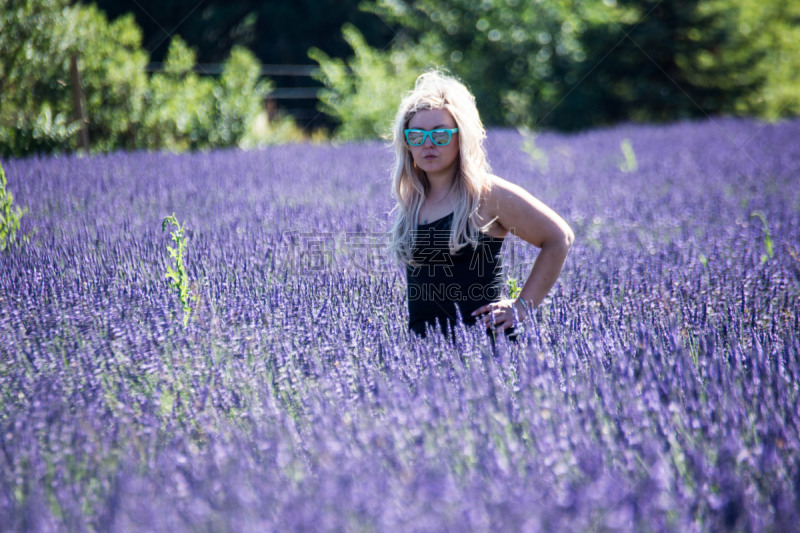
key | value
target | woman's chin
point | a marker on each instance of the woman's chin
(433, 167)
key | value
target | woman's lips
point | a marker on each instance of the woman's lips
(430, 156)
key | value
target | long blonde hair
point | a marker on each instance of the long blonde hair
(434, 90)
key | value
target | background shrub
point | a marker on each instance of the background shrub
(125, 108)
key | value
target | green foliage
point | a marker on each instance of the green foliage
(513, 55)
(773, 28)
(628, 164)
(112, 66)
(239, 97)
(179, 104)
(686, 60)
(571, 65)
(34, 54)
(364, 94)
(9, 217)
(179, 279)
(767, 237)
(189, 111)
(551, 63)
(513, 288)
(125, 108)
(38, 39)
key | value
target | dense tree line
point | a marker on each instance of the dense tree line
(41, 43)
(564, 64)
(277, 32)
(556, 64)
(572, 64)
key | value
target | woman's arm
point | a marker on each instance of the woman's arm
(518, 212)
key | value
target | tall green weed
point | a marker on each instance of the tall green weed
(179, 278)
(9, 216)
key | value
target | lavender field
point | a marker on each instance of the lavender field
(656, 389)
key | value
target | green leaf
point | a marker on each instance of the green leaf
(767, 236)
(630, 164)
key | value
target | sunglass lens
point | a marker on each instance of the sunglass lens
(415, 137)
(440, 137)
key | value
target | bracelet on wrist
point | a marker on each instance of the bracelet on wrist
(525, 307)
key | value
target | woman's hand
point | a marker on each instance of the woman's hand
(500, 315)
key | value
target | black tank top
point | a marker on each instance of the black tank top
(472, 277)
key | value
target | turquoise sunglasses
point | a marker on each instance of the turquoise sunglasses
(439, 137)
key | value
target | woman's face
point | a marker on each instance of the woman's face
(435, 160)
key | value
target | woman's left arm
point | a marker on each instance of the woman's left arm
(529, 219)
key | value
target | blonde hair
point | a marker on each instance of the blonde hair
(434, 90)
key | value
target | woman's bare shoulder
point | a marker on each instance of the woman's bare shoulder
(498, 193)
(518, 211)
(494, 197)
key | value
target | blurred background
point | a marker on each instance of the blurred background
(200, 74)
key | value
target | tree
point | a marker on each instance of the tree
(575, 64)
(774, 28)
(365, 94)
(125, 108)
(672, 59)
(514, 55)
(35, 47)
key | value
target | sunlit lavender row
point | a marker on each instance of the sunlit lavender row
(656, 389)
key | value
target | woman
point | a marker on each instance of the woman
(453, 215)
